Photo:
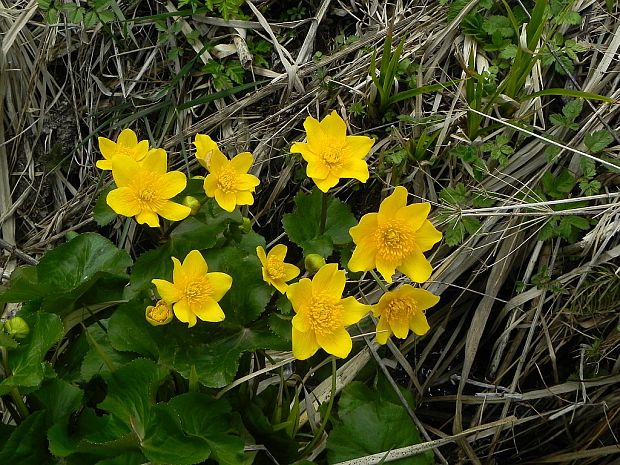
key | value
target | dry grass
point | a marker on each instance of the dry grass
(509, 373)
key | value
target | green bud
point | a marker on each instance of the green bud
(313, 263)
(246, 226)
(17, 327)
(192, 203)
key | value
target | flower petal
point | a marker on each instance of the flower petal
(104, 165)
(299, 147)
(365, 229)
(167, 291)
(183, 313)
(205, 147)
(326, 184)
(210, 185)
(244, 198)
(300, 294)
(362, 259)
(419, 324)
(424, 299)
(304, 344)
(124, 170)
(316, 169)
(338, 343)
(356, 169)
(170, 184)
(127, 138)
(400, 327)
(427, 236)
(221, 284)
(242, 162)
(334, 126)
(301, 323)
(178, 273)
(173, 211)
(414, 215)
(194, 264)
(392, 203)
(226, 200)
(354, 311)
(209, 310)
(107, 148)
(314, 129)
(358, 146)
(280, 285)
(123, 201)
(279, 252)
(260, 252)
(383, 331)
(386, 268)
(416, 267)
(290, 271)
(148, 217)
(218, 162)
(156, 160)
(329, 280)
(246, 182)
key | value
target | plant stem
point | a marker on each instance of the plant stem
(323, 214)
(379, 281)
(19, 403)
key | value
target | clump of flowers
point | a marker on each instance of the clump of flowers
(275, 271)
(127, 144)
(194, 293)
(144, 189)
(395, 238)
(331, 154)
(228, 181)
(402, 310)
(321, 314)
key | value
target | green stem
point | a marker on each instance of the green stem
(379, 281)
(319, 433)
(324, 205)
(19, 403)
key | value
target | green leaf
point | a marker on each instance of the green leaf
(59, 398)
(101, 357)
(27, 361)
(588, 167)
(578, 222)
(598, 140)
(303, 225)
(498, 25)
(454, 233)
(572, 109)
(471, 224)
(102, 212)
(130, 458)
(456, 195)
(370, 424)
(27, 444)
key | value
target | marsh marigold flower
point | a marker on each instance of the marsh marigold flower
(205, 148)
(194, 293)
(275, 271)
(331, 154)
(395, 239)
(402, 310)
(321, 314)
(228, 180)
(127, 144)
(159, 314)
(144, 189)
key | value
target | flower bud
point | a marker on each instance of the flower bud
(246, 226)
(17, 327)
(159, 314)
(313, 263)
(193, 203)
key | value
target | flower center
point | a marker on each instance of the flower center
(394, 241)
(325, 314)
(160, 312)
(197, 291)
(332, 157)
(275, 268)
(400, 309)
(226, 180)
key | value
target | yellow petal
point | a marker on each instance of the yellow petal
(400, 328)
(244, 198)
(123, 201)
(127, 138)
(356, 169)
(107, 148)
(209, 310)
(218, 162)
(338, 343)
(362, 259)
(167, 291)
(242, 162)
(156, 161)
(427, 236)
(392, 203)
(226, 200)
(141, 150)
(316, 169)
(148, 217)
(301, 323)
(184, 314)
(220, 283)
(314, 129)
(365, 229)
(414, 215)
(280, 285)
(416, 267)
(304, 344)
(334, 126)
(173, 211)
(260, 252)
(299, 147)
(210, 185)
(194, 264)
(358, 146)
(170, 184)
(124, 170)
(387, 269)
(329, 280)
(419, 324)
(279, 252)
(205, 147)
(300, 294)
(104, 164)
(246, 182)
(424, 299)
(354, 311)
(326, 184)
(178, 274)
(290, 272)
(383, 331)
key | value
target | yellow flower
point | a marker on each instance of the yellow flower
(275, 271)
(159, 314)
(402, 310)
(228, 180)
(126, 144)
(144, 189)
(194, 292)
(205, 148)
(395, 238)
(322, 314)
(331, 154)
